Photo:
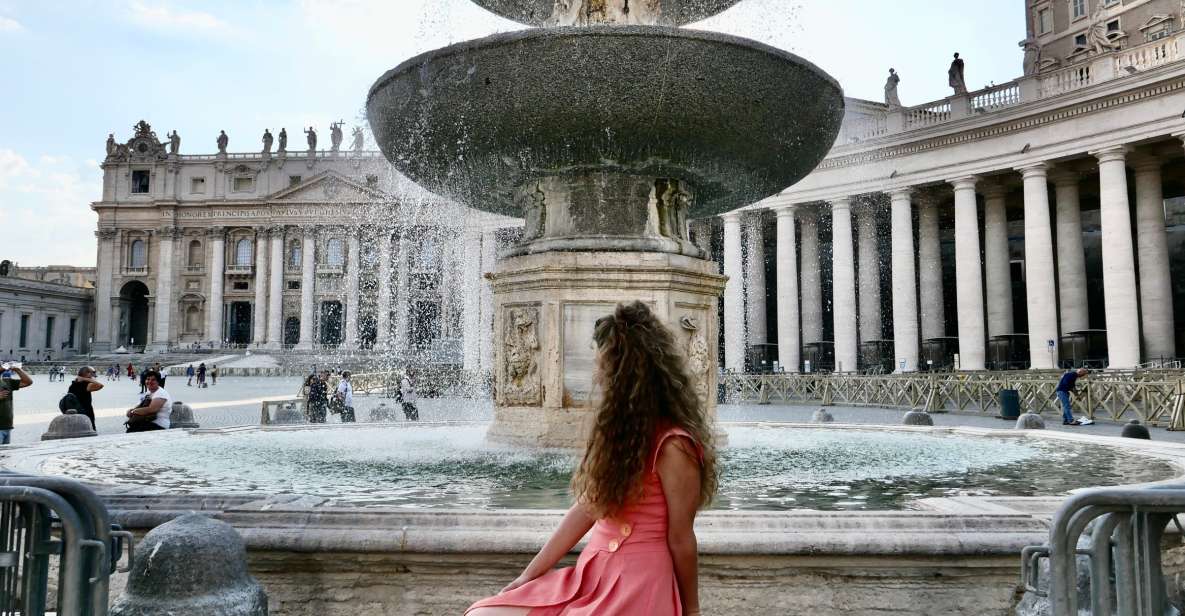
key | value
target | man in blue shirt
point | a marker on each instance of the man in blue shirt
(1065, 387)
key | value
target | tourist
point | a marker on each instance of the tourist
(111, 373)
(214, 374)
(1065, 388)
(318, 402)
(649, 465)
(153, 411)
(189, 376)
(12, 378)
(407, 397)
(201, 375)
(161, 376)
(131, 372)
(344, 398)
(82, 387)
(62, 374)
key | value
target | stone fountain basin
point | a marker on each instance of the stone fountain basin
(737, 119)
(537, 12)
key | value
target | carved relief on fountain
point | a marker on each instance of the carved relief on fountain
(699, 356)
(673, 199)
(521, 384)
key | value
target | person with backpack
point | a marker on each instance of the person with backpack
(201, 375)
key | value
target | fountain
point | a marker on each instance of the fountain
(606, 130)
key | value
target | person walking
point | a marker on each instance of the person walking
(407, 394)
(12, 378)
(214, 375)
(1065, 388)
(648, 467)
(318, 403)
(110, 373)
(201, 375)
(131, 372)
(82, 387)
(154, 409)
(62, 374)
(189, 372)
(344, 398)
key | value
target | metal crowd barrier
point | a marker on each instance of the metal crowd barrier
(1125, 527)
(43, 518)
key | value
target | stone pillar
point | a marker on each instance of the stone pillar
(870, 275)
(402, 295)
(754, 280)
(308, 271)
(383, 320)
(843, 286)
(275, 305)
(104, 272)
(471, 298)
(489, 258)
(811, 281)
(997, 264)
(969, 276)
(259, 313)
(216, 237)
(905, 296)
(734, 295)
(1119, 267)
(164, 289)
(1071, 259)
(789, 336)
(353, 300)
(1156, 287)
(1041, 289)
(933, 311)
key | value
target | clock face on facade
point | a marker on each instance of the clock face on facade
(142, 148)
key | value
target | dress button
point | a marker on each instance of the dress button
(626, 529)
(613, 545)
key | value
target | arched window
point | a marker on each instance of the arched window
(243, 252)
(139, 256)
(294, 254)
(193, 320)
(195, 253)
(333, 253)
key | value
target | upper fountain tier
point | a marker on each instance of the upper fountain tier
(607, 12)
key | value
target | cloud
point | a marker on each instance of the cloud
(159, 16)
(47, 209)
(8, 24)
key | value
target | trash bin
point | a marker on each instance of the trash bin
(1009, 404)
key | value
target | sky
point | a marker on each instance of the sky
(72, 71)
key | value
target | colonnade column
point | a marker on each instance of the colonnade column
(471, 290)
(1156, 288)
(353, 301)
(164, 288)
(997, 264)
(843, 286)
(812, 279)
(1040, 287)
(905, 298)
(259, 313)
(308, 266)
(754, 280)
(217, 240)
(870, 275)
(1071, 259)
(734, 295)
(789, 335)
(383, 337)
(105, 272)
(933, 310)
(968, 276)
(402, 299)
(1119, 267)
(275, 300)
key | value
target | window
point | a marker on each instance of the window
(73, 328)
(195, 254)
(193, 320)
(244, 184)
(294, 254)
(140, 181)
(243, 252)
(49, 332)
(241, 286)
(1080, 40)
(1077, 9)
(197, 186)
(139, 254)
(1044, 21)
(24, 332)
(333, 253)
(1112, 26)
(293, 285)
(293, 180)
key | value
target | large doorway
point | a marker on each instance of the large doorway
(238, 330)
(133, 315)
(331, 323)
(425, 323)
(291, 331)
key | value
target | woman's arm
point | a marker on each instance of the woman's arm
(575, 524)
(679, 468)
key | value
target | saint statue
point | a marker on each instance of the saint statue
(283, 140)
(110, 144)
(335, 135)
(267, 141)
(311, 135)
(359, 139)
(1096, 36)
(223, 140)
(1032, 56)
(891, 98)
(174, 143)
(955, 76)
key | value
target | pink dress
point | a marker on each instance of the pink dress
(626, 567)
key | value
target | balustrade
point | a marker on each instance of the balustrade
(995, 98)
(927, 115)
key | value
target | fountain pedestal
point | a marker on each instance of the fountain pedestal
(545, 306)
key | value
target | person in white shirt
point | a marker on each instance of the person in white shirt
(154, 409)
(407, 393)
(344, 398)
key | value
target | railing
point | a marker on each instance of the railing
(135, 271)
(1153, 397)
(240, 269)
(927, 115)
(330, 269)
(195, 269)
(996, 98)
(1065, 80)
(867, 127)
(1146, 56)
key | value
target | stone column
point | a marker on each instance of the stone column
(905, 296)
(1040, 287)
(164, 289)
(471, 298)
(811, 281)
(933, 310)
(789, 336)
(1071, 259)
(308, 271)
(104, 272)
(402, 295)
(734, 295)
(969, 276)
(1156, 287)
(754, 280)
(843, 286)
(383, 318)
(216, 237)
(353, 300)
(997, 264)
(275, 300)
(259, 313)
(1119, 267)
(869, 275)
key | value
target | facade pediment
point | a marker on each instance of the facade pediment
(1156, 20)
(329, 186)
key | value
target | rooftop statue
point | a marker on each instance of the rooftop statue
(267, 141)
(223, 141)
(174, 143)
(311, 137)
(955, 76)
(1096, 36)
(283, 140)
(891, 98)
(1032, 56)
(335, 135)
(359, 139)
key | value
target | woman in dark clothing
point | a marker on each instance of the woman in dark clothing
(318, 397)
(83, 386)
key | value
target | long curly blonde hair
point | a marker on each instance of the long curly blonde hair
(645, 387)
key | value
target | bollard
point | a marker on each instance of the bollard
(917, 417)
(68, 425)
(182, 416)
(1134, 429)
(191, 566)
(822, 416)
(1030, 421)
